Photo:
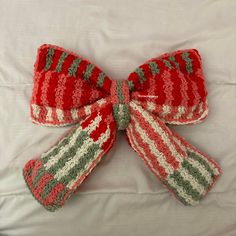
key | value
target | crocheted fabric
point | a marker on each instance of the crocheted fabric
(70, 90)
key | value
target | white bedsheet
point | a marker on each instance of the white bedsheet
(121, 197)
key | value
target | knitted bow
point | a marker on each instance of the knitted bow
(70, 90)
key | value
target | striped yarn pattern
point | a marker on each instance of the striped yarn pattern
(56, 174)
(71, 90)
(186, 172)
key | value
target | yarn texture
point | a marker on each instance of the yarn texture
(168, 89)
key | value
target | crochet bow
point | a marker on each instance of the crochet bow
(70, 90)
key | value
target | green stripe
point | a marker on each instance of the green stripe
(55, 150)
(131, 85)
(188, 61)
(195, 173)
(120, 94)
(38, 176)
(167, 64)
(154, 68)
(100, 79)
(49, 57)
(121, 122)
(175, 191)
(70, 153)
(201, 161)
(172, 58)
(61, 61)
(186, 185)
(88, 72)
(74, 66)
(140, 74)
(82, 165)
(48, 188)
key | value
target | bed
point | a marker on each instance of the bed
(122, 196)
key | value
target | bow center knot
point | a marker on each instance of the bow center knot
(120, 102)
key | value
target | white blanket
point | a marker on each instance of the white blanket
(122, 196)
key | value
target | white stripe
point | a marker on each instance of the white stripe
(201, 169)
(181, 192)
(181, 111)
(160, 131)
(74, 114)
(161, 158)
(87, 109)
(74, 160)
(49, 114)
(60, 115)
(186, 176)
(166, 110)
(71, 143)
(102, 139)
(36, 110)
(151, 106)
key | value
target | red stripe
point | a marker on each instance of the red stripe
(55, 59)
(148, 152)
(67, 63)
(52, 196)
(44, 180)
(156, 138)
(41, 62)
(88, 120)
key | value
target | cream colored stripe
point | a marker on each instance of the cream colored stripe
(201, 169)
(60, 115)
(159, 130)
(72, 162)
(57, 157)
(181, 192)
(49, 114)
(160, 156)
(36, 110)
(102, 139)
(166, 110)
(181, 111)
(186, 176)
(74, 114)
(151, 106)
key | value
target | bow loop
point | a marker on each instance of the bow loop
(61, 80)
(172, 87)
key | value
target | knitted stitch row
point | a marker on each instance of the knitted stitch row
(71, 90)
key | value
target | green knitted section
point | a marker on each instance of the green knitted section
(74, 66)
(141, 75)
(100, 80)
(172, 58)
(38, 176)
(186, 185)
(167, 64)
(119, 90)
(196, 174)
(48, 188)
(88, 72)
(122, 115)
(70, 153)
(130, 85)
(201, 161)
(56, 149)
(175, 192)
(188, 61)
(81, 166)
(49, 58)
(61, 61)
(154, 68)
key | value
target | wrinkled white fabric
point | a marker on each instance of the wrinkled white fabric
(121, 196)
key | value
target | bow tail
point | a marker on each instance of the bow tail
(56, 174)
(187, 172)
